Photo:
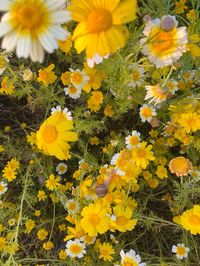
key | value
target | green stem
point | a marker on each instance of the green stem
(53, 222)
(20, 216)
(159, 220)
(168, 77)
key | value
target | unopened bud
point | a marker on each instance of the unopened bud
(167, 23)
(101, 190)
(154, 122)
(146, 19)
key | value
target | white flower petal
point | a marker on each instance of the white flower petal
(48, 42)
(58, 32)
(10, 41)
(4, 28)
(37, 52)
(61, 16)
(55, 4)
(7, 16)
(23, 46)
(4, 5)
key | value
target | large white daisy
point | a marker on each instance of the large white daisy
(32, 26)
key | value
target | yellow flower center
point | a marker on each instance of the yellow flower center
(104, 253)
(1, 188)
(94, 219)
(49, 133)
(141, 153)
(194, 220)
(99, 20)
(129, 262)
(76, 77)
(75, 249)
(134, 140)
(72, 90)
(71, 206)
(162, 41)
(180, 251)
(30, 16)
(157, 92)
(121, 220)
(136, 75)
(146, 112)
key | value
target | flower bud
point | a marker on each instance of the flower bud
(146, 19)
(167, 23)
(101, 190)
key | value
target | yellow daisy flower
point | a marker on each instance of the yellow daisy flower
(54, 134)
(95, 219)
(32, 26)
(142, 155)
(100, 30)
(190, 121)
(42, 234)
(7, 86)
(190, 220)
(47, 75)
(30, 224)
(122, 219)
(53, 182)
(95, 100)
(106, 250)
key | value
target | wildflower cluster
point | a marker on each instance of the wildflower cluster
(100, 132)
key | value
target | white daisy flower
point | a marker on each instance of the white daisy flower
(131, 258)
(172, 86)
(137, 75)
(61, 168)
(133, 140)
(33, 27)
(164, 43)
(3, 187)
(78, 78)
(155, 94)
(147, 112)
(65, 111)
(189, 75)
(72, 91)
(75, 248)
(181, 251)
(72, 206)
